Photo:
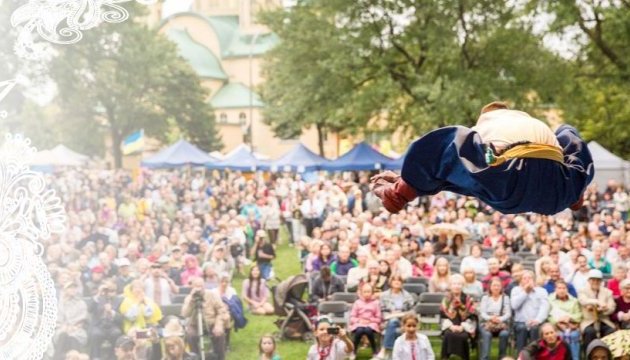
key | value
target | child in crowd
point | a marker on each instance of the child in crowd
(365, 318)
(412, 345)
(267, 348)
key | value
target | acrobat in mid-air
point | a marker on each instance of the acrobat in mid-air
(509, 160)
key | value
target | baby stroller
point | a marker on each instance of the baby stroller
(295, 314)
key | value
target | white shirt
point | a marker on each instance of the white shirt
(337, 351)
(423, 350)
(504, 127)
(479, 265)
(580, 280)
(165, 290)
(405, 268)
(355, 275)
(311, 208)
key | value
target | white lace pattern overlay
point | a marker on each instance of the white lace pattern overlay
(5, 89)
(62, 21)
(29, 213)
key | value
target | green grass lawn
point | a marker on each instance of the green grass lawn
(244, 344)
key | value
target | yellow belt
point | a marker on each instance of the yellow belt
(531, 151)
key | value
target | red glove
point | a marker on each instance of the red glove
(393, 191)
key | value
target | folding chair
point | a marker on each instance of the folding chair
(347, 297)
(429, 315)
(417, 280)
(415, 289)
(173, 309)
(431, 298)
(337, 311)
(184, 290)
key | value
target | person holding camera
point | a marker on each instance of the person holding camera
(106, 322)
(158, 286)
(331, 342)
(214, 314)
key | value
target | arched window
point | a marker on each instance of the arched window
(223, 118)
(242, 118)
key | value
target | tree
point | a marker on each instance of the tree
(123, 77)
(342, 65)
(596, 95)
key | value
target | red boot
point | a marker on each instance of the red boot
(395, 195)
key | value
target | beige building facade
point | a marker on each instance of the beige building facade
(225, 46)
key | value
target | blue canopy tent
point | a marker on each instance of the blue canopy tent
(299, 159)
(182, 153)
(240, 160)
(396, 164)
(360, 157)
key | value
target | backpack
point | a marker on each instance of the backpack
(235, 306)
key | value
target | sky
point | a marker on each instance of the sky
(173, 6)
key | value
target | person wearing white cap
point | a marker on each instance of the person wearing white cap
(597, 305)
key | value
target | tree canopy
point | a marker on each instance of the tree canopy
(342, 64)
(596, 92)
(124, 77)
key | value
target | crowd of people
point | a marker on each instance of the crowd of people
(148, 262)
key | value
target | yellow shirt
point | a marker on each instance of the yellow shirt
(504, 127)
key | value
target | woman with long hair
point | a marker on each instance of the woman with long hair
(256, 294)
(441, 278)
(325, 257)
(385, 269)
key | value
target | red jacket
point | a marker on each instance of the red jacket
(539, 350)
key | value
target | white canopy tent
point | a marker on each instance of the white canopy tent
(608, 166)
(60, 155)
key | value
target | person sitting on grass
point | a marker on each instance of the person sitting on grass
(412, 345)
(329, 345)
(365, 317)
(256, 294)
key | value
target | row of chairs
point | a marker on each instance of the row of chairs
(427, 309)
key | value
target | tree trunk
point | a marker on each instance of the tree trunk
(320, 138)
(116, 141)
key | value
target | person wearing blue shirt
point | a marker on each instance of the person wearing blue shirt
(531, 309)
(554, 275)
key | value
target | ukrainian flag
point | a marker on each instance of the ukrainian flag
(133, 143)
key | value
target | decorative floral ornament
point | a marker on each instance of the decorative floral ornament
(29, 213)
(62, 21)
(5, 88)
